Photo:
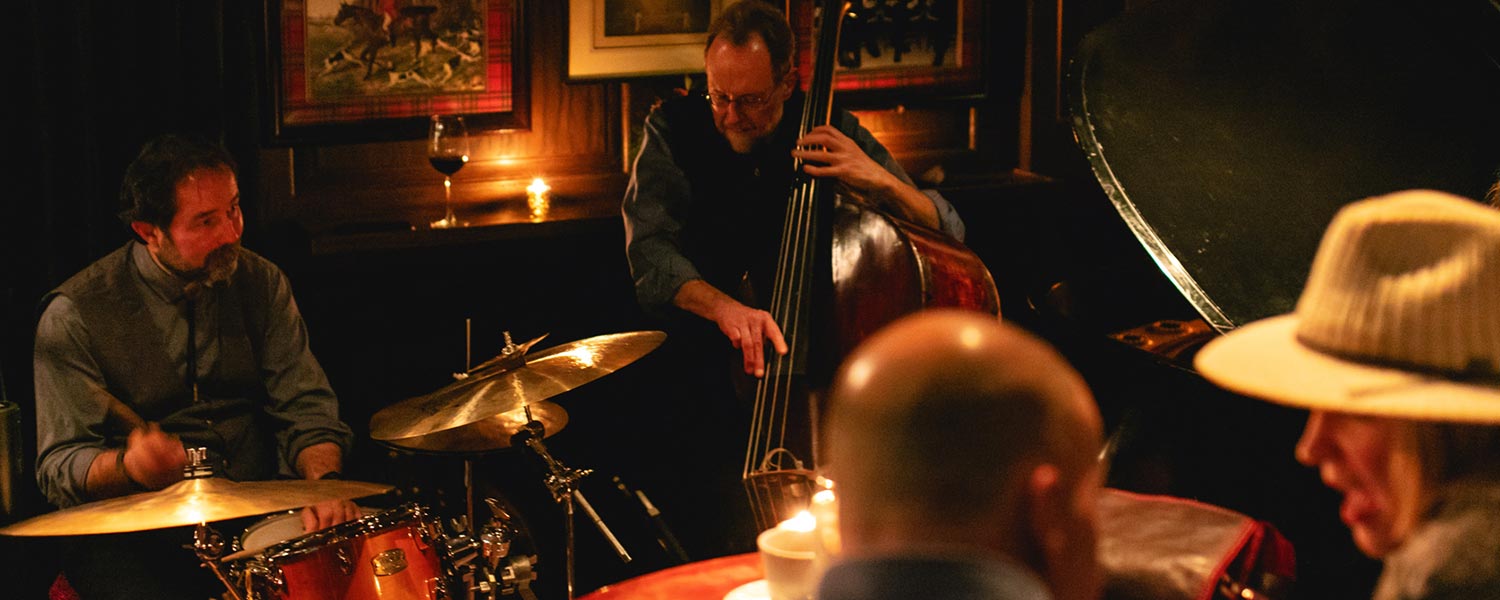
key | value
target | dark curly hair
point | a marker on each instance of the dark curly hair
(149, 191)
(747, 17)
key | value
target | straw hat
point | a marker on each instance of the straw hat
(1400, 317)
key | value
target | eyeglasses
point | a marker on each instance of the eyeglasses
(722, 101)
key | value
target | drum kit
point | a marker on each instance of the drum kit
(405, 552)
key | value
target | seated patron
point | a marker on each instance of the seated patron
(964, 454)
(1394, 346)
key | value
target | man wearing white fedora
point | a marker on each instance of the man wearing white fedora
(1395, 348)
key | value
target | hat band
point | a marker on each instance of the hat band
(1479, 370)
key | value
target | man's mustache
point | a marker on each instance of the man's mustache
(221, 263)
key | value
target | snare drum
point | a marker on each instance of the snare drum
(273, 530)
(385, 555)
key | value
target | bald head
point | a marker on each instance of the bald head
(939, 421)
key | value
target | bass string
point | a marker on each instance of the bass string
(771, 410)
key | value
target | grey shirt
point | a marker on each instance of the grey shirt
(74, 425)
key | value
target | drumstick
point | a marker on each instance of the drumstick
(115, 410)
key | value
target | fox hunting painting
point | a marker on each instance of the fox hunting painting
(359, 70)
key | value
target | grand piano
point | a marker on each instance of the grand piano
(1224, 136)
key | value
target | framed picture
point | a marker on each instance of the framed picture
(889, 45)
(616, 39)
(347, 71)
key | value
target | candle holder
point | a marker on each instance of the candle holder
(788, 555)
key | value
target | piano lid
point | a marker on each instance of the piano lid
(1228, 133)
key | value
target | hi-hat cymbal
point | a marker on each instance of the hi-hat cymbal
(190, 502)
(509, 383)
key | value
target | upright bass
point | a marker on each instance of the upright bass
(881, 268)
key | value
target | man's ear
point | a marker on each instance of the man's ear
(150, 234)
(1046, 515)
(790, 82)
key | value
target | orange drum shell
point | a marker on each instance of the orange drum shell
(321, 573)
(339, 563)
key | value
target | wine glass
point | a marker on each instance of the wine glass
(448, 151)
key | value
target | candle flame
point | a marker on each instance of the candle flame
(802, 521)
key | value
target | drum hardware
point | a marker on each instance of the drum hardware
(208, 546)
(495, 572)
(562, 483)
(503, 402)
(665, 538)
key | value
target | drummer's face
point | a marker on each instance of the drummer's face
(745, 92)
(201, 242)
(1373, 461)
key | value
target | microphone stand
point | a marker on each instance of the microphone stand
(562, 482)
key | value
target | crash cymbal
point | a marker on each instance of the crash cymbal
(190, 502)
(509, 382)
(489, 434)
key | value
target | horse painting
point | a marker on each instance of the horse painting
(370, 35)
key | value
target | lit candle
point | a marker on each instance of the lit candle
(786, 555)
(536, 199)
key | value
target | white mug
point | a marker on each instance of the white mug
(787, 557)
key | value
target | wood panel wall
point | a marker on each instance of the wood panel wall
(574, 141)
(579, 138)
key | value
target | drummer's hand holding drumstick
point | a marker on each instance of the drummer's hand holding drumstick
(319, 461)
(153, 458)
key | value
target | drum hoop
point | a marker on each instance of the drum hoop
(404, 514)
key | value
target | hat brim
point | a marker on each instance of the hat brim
(1264, 360)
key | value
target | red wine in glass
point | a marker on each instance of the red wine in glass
(448, 164)
(448, 151)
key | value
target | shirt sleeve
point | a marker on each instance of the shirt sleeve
(948, 219)
(70, 425)
(301, 399)
(655, 200)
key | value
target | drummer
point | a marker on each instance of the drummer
(180, 338)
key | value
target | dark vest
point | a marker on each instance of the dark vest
(734, 223)
(137, 369)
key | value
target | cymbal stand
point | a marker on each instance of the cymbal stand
(562, 482)
(208, 544)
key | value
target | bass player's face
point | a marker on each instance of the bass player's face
(744, 91)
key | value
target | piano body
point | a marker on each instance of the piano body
(1224, 136)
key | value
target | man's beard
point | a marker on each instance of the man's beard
(218, 265)
(743, 142)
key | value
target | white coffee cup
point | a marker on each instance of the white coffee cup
(787, 554)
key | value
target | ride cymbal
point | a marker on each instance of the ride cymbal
(190, 502)
(504, 386)
(489, 434)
